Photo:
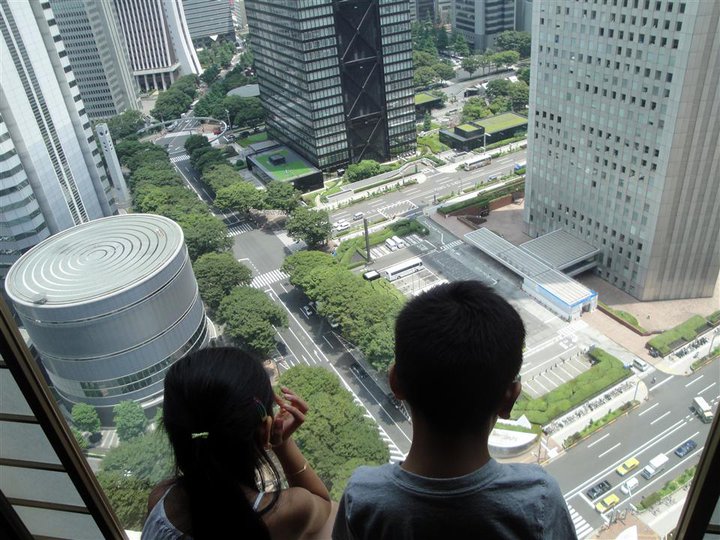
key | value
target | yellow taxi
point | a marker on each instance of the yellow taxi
(607, 503)
(628, 466)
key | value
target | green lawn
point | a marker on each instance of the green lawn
(467, 127)
(432, 143)
(502, 121)
(679, 335)
(252, 139)
(284, 171)
(422, 98)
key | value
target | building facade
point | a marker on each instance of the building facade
(90, 31)
(51, 173)
(110, 305)
(208, 18)
(335, 77)
(480, 21)
(158, 41)
(523, 15)
(112, 163)
(623, 139)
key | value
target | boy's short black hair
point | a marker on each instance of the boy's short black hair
(457, 348)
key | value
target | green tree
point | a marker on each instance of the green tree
(497, 88)
(240, 197)
(133, 153)
(281, 196)
(155, 173)
(424, 76)
(500, 104)
(299, 266)
(475, 109)
(443, 70)
(364, 169)
(423, 59)
(217, 275)
(524, 75)
(460, 46)
(147, 457)
(210, 74)
(187, 84)
(442, 38)
(245, 111)
(128, 497)
(311, 226)
(80, 438)
(204, 233)
(193, 142)
(470, 64)
(85, 417)
(336, 437)
(519, 96)
(504, 58)
(511, 40)
(125, 124)
(206, 156)
(250, 317)
(427, 122)
(220, 176)
(171, 104)
(130, 420)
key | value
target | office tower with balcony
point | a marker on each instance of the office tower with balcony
(91, 33)
(480, 21)
(158, 41)
(51, 174)
(336, 77)
(623, 139)
(208, 19)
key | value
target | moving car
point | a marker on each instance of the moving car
(307, 310)
(628, 487)
(607, 503)
(685, 448)
(628, 466)
(358, 215)
(598, 490)
(342, 226)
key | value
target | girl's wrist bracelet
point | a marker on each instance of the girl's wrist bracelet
(304, 468)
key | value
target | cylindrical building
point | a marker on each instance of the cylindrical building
(110, 305)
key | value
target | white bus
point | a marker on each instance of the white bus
(402, 269)
(477, 163)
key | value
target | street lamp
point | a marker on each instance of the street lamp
(485, 136)
(227, 114)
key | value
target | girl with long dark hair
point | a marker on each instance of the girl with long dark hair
(218, 415)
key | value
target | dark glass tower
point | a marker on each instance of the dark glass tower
(336, 77)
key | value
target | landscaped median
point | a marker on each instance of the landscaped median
(594, 425)
(683, 333)
(668, 489)
(606, 372)
(347, 250)
(484, 198)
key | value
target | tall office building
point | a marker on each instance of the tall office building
(158, 41)
(523, 15)
(98, 54)
(51, 175)
(623, 139)
(208, 18)
(335, 77)
(480, 21)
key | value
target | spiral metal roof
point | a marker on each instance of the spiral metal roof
(94, 260)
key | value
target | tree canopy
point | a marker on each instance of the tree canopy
(193, 142)
(281, 196)
(204, 233)
(125, 124)
(171, 104)
(249, 317)
(217, 275)
(511, 40)
(311, 226)
(240, 197)
(336, 436)
(130, 420)
(470, 64)
(128, 496)
(147, 457)
(219, 53)
(85, 417)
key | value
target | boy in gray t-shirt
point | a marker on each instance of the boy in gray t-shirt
(458, 352)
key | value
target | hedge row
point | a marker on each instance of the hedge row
(606, 372)
(403, 227)
(595, 425)
(670, 487)
(679, 335)
(484, 198)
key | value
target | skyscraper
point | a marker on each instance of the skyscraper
(158, 41)
(51, 175)
(335, 77)
(480, 21)
(623, 139)
(98, 54)
(208, 18)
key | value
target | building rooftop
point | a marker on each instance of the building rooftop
(559, 249)
(291, 167)
(467, 127)
(94, 260)
(249, 90)
(423, 98)
(502, 121)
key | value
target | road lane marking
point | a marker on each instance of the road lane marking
(326, 341)
(600, 439)
(609, 450)
(694, 381)
(658, 385)
(707, 388)
(659, 418)
(648, 409)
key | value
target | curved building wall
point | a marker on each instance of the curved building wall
(110, 305)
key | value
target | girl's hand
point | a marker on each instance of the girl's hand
(290, 417)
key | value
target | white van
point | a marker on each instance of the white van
(640, 364)
(391, 244)
(628, 487)
(399, 241)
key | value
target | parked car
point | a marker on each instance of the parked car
(607, 503)
(628, 466)
(595, 491)
(685, 448)
(628, 487)
(307, 310)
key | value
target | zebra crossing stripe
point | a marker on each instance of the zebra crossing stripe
(182, 157)
(235, 230)
(582, 527)
(263, 280)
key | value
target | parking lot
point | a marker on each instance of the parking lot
(418, 282)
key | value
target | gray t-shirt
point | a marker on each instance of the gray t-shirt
(496, 501)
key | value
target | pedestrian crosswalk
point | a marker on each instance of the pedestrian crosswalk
(450, 245)
(582, 527)
(181, 157)
(396, 455)
(239, 228)
(268, 278)
(382, 250)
